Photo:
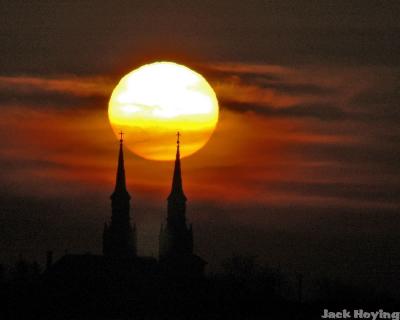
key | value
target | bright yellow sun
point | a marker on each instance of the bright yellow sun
(153, 102)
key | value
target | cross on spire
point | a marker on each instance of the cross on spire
(120, 184)
(177, 190)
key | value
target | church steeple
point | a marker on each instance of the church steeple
(176, 237)
(177, 189)
(120, 181)
(119, 238)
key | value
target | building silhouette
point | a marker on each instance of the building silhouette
(176, 237)
(120, 259)
(122, 285)
(119, 237)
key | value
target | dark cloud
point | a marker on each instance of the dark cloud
(273, 81)
(61, 92)
(378, 104)
(378, 97)
(294, 89)
(319, 111)
(341, 191)
(214, 73)
(46, 98)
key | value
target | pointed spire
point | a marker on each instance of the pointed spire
(120, 183)
(177, 189)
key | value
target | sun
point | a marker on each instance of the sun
(152, 103)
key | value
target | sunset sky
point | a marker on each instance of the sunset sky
(303, 167)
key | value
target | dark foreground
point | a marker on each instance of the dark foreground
(240, 293)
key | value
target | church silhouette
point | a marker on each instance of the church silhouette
(119, 284)
(120, 261)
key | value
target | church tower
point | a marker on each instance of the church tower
(119, 238)
(176, 237)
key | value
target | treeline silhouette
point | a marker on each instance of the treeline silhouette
(245, 289)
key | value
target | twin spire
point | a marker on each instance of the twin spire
(176, 239)
(176, 188)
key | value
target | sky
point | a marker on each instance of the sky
(302, 169)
